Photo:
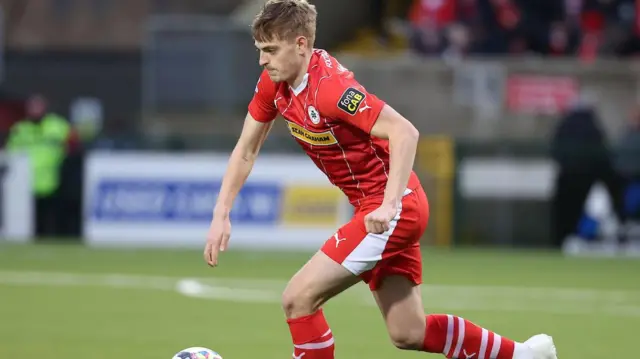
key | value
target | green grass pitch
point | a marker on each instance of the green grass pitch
(68, 301)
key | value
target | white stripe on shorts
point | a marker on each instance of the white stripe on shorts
(369, 251)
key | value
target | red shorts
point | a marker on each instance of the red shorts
(394, 252)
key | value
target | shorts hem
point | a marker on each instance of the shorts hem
(339, 263)
(375, 284)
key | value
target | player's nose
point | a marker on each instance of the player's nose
(264, 60)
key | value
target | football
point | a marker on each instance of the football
(197, 353)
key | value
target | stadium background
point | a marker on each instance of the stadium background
(156, 92)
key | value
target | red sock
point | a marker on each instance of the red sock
(311, 337)
(458, 338)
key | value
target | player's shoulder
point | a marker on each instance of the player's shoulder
(327, 66)
(329, 76)
(334, 83)
(265, 87)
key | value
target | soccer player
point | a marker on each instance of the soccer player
(367, 150)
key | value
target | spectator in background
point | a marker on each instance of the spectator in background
(521, 26)
(502, 23)
(625, 19)
(11, 111)
(580, 150)
(603, 26)
(378, 8)
(543, 26)
(431, 23)
(44, 137)
(627, 156)
(591, 26)
(627, 163)
(586, 28)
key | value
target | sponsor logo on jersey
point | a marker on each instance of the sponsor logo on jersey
(351, 100)
(314, 115)
(313, 138)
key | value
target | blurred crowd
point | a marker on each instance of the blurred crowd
(583, 28)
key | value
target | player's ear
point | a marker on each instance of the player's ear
(302, 44)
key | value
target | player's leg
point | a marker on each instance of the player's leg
(315, 283)
(400, 302)
(320, 279)
(345, 259)
(395, 284)
(402, 312)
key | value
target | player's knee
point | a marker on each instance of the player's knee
(298, 302)
(407, 338)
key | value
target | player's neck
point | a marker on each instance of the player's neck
(303, 71)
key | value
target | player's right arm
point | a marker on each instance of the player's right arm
(241, 161)
(257, 125)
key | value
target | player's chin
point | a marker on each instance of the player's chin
(275, 76)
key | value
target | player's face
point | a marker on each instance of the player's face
(282, 58)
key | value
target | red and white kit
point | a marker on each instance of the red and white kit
(331, 115)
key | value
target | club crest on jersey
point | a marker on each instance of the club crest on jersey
(325, 138)
(351, 100)
(314, 116)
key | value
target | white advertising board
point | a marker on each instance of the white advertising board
(166, 200)
(505, 178)
(16, 199)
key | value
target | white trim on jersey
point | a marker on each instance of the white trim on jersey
(298, 90)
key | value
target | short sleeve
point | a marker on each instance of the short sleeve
(262, 107)
(345, 99)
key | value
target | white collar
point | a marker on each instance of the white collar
(301, 87)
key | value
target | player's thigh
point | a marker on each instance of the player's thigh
(370, 255)
(354, 249)
(402, 255)
(320, 279)
(395, 280)
(400, 301)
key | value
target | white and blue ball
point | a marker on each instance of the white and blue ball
(197, 353)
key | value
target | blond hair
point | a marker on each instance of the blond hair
(285, 20)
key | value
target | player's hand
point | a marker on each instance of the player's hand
(217, 238)
(378, 221)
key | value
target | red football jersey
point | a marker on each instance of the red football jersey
(331, 115)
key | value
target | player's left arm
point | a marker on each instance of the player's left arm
(403, 142)
(347, 100)
(350, 102)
